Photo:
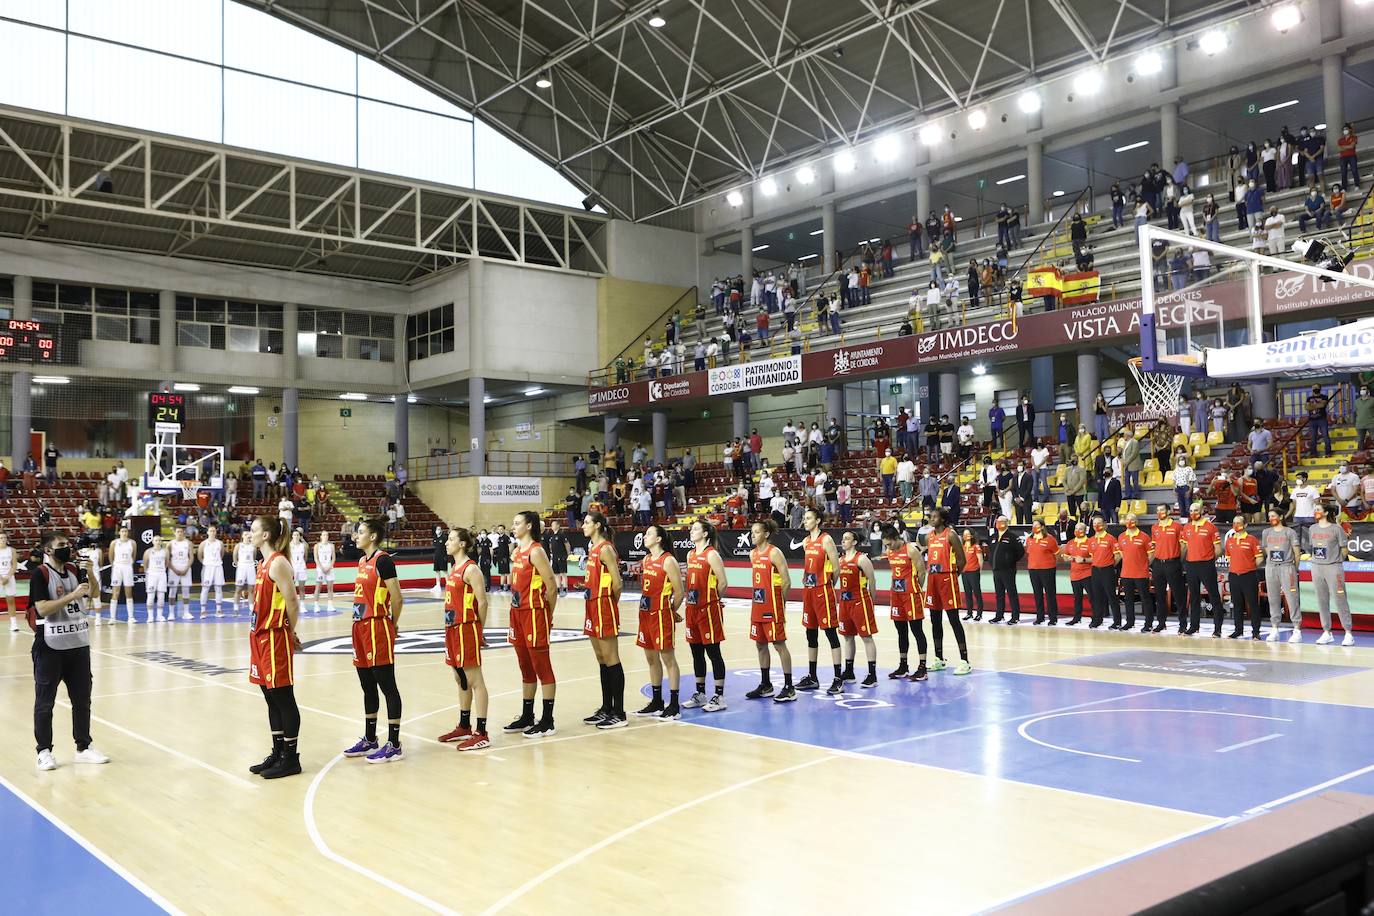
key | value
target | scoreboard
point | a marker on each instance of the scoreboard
(166, 410)
(27, 341)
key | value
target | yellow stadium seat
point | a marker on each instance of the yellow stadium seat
(1201, 451)
(1168, 478)
(1049, 511)
(1215, 438)
(1197, 439)
(1180, 439)
(1151, 464)
(1152, 479)
(1138, 507)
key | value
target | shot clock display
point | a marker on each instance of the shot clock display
(27, 341)
(166, 409)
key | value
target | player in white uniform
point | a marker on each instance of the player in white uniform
(179, 566)
(155, 580)
(245, 572)
(122, 553)
(298, 546)
(93, 557)
(324, 570)
(8, 588)
(211, 553)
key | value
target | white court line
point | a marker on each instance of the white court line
(1023, 728)
(167, 750)
(1253, 741)
(596, 847)
(1310, 790)
(94, 850)
(323, 848)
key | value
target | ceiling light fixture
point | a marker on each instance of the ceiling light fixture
(531, 392)
(1010, 178)
(763, 247)
(980, 369)
(1149, 63)
(1288, 104)
(977, 119)
(352, 396)
(1213, 42)
(844, 161)
(1285, 16)
(1129, 146)
(807, 257)
(1088, 82)
(888, 147)
(656, 19)
(1029, 101)
(806, 174)
(817, 232)
(929, 134)
(734, 198)
(768, 186)
(244, 389)
(1058, 194)
(185, 386)
(51, 380)
(543, 81)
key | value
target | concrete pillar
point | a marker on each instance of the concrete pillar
(1035, 183)
(477, 425)
(741, 418)
(1329, 21)
(401, 436)
(167, 331)
(949, 395)
(1333, 99)
(477, 322)
(1168, 135)
(835, 407)
(1089, 384)
(1168, 54)
(290, 353)
(660, 434)
(400, 349)
(923, 206)
(746, 255)
(828, 240)
(21, 395)
(1042, 393)
(610, 425)
(290, 425)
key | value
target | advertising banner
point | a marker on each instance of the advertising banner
(766, 373)
(528, 490)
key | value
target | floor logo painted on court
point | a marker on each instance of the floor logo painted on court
(1239, 669)
(428, 642)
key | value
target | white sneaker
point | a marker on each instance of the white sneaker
(1296, 635)
(1273, 636)
(14, 626)
(1349, 639)
(185, 615)
(315, 609)
(46, 761)
(715, 704)
(694, 701)
(1325, 638)
(90, 755)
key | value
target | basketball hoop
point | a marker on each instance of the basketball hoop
(1159, 391)
(189, 489)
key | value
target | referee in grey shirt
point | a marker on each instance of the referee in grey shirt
(1280, 546)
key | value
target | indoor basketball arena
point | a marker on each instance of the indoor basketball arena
(471, 456)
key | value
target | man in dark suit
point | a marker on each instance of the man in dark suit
(951, 501)
(1025, 421)
(1005, 550)
(1023, 494)
(1110, 501)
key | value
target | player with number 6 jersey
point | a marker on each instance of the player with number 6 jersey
(271, 644)
(705, 614)
(465, 618)
(856, 608)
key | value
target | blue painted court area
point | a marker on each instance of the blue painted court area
(142, 615)
(1210, 753)
(47, 872)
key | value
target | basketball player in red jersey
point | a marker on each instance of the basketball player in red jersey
(944, 562)
(602, 623)
(769, 579)
(271, 642)
(819, 610)
(531, 618)
(465, 618)
(659, 604)
(907, 600)
(377, 606)
(856, 610)
(705, 616)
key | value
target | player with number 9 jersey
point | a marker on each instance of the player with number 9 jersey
(767, 613)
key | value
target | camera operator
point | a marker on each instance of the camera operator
(61, 647)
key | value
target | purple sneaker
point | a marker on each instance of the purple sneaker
(387, 753)
(361, 749)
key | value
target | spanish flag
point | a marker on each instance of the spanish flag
(1081, 287)
(1044, 281)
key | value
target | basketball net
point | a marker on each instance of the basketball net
(1159, 391)
(189, 489)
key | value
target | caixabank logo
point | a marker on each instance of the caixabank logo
(428, 642)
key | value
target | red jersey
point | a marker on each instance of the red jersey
(767, 584)
(908, 603)
(1243, 551)
(269, 606)
(819, 610)
(1102, 549)
(1166, 535)
(656, 591)
(816, 569)
(939, 554)
(1226, 497)
(1078, 548)
(460, 600)
(1042, 551)
(598, 581)
(973, 556)
(854, 586)
(1202, 539)
(371, 597)
(528, 591)
(1134, 545)
(703, 591)
(270, 661)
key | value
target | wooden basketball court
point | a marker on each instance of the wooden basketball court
(1063, 752)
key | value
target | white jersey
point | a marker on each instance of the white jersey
(324, 555)
(212, 552)
(155, 561)
(6, 562)
(244, 556)
(122, 553)
(180, 554)
(298, 554)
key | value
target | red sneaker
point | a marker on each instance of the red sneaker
(475, 742)
(459, 733)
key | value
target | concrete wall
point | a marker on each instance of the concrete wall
(546, 327)
(624, 308)
(331, 444)
(454, 500)
(651, 254)
(548, 419)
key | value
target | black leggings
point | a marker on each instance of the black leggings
(813, 639)
(939, 632)
(973, 590)
(904, 640)
(283, 715)
(699, 655)
(383, 677)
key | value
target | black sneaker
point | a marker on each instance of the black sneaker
(595, 718)
(613, 720)
(671, 711)
(1159, 628)
(1237, 634)
(1147, 629)
(920, 673)
(761, 692)
(836, 687)
(257, 768)
(541, 729)
(900, 672)
(286, 765)
(786, 695)
(1115, 626)
(1094, 626)
(848, 675)
(870, 681)
(654, 708)
(519, 724)
(1075, 622)
(808, 683)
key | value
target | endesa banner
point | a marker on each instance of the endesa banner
(1094, 323)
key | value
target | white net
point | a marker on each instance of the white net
(1159, 391)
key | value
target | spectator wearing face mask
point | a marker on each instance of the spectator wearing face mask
(1345, 487)
(1312, 154)
(1304, 497)
(1261, 440)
